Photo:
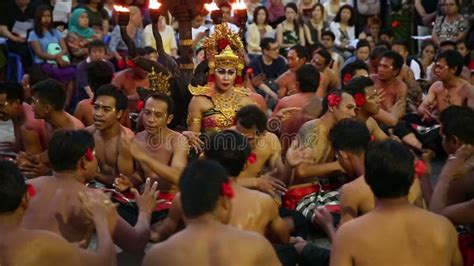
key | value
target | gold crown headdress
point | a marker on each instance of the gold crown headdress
(224, 49)
(159, 82)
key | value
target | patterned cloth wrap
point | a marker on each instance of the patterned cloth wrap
(164, 199)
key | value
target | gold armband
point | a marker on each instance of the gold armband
(186, 42)
(194, 120)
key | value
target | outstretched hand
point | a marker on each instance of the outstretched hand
(193, 140)
(271, 185)
(146, 201)
(459, 164)
(295, 153)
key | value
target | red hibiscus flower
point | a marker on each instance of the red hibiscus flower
(222, 44)
(140, 105)
(420, 168)
(334, 100)
(211, 78)
(359, 99)
(347, 77)
(249, 71)
(89, 155)
(30, 189)
(226, 190)
(252, 158)
(395, 24)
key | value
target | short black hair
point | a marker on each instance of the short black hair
(350, 69)
(328, 33)
(230, 149)
(403, 43)
(352, 20)
(325, 104)
(121, 100)
(378, 52)
(251, 116)
(98, 73)
(389, 169)
(66, 147)
(326, 55)
(200, 185)
(350, 135)
(362, 43)
(397, 59)
(385, 44)
(453, 59)
(301, 51)
(448, 43)
(386, 31)
(51, 92)
(12, 186)
(96, 44)
(159, 96)
(265, 42)
(358, 85)
(458, 121)
(308, 78)
(13, 91)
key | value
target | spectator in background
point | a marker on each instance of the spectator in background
(386, 35)
(98, 17)
(12, 12)
(373, 28)
(425, 14)
(80, 35)
(328, 39)
(332, 8)
(276, 10)
(290, 31)
(167, 36)
(317, 24)
(464, 49)
(452, 25)
(134, 29)
(343, 28)
(50, 50)
(361, 53)
(427, 56)
(401, 47)
(198, 30)
(257, 31)
(111, 13)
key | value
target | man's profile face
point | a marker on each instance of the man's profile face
(251, 134)
(272, 51)
(346, 163)
(441, 70)
(40, 109)
(294, 62)
(105, 112)
(346, 108)
(385, 69)
(97, 53)
(155, 115)
(448, 146)
(7, 109)
(318, 62)
(371, 105)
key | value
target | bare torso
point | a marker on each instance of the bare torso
(29, 125)
(453, 95)
(128, 83)
(328, 81)
(265, 146)
(393, 91)
(286, 84)
(71, 123)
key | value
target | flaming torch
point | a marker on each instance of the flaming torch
(123, 15)
(155, 10)
(216, 13)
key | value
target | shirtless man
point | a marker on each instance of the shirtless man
(252, 210)
(22, 246)
(394, 218)
(329, 79)
(48, 104)
(56, 206)
(206, 218)
(449, 90)
(297, 57)
(354, 70)
(30, 133)
(113, 156)
(350, 139)
(327, 39)
(307, 78)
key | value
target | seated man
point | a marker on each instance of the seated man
(56, 206)
(389, 172)
(22, 246)
(206, 218)
(350, 139)
(113, 155)
(30, 133)
(328, 77)
(297, 57)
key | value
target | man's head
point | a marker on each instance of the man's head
(339, 104)
(386, 35)
(11, 98)
(297, 56)
(349, 138)
(463, 47)
(97, 50)
(389, 169)
(362, 50)
(389, 66)
(321, 59)
(270, 48)
(375, 55)
(251, 122)
(457, 127)
(226, 9)
(327, 39)
(109, 104)
(230, 148)
(157, 112)
(308, 78)
(12, 188)
(73, 151)
(447, 45)
(448, 64)
(363, 91)
(354, 70)
(98, 73)
(401, 47)
(197, 21)
(202, 186)
(48, 96)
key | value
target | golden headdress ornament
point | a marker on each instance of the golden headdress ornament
(224, 49)
(159, 82)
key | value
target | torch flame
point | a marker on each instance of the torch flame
(239, 5)
(154, 4)
(211, 7)
(120, 8)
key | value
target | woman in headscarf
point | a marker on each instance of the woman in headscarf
(80, 34)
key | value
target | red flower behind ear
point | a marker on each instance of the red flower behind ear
(252, 158)
(249, 71)
(334, 100)
(30, 189)
(89, 155)
(140, 105)
(222, 44)
(226, 189)
(420, 168)
(359, 99)
(347, 77)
